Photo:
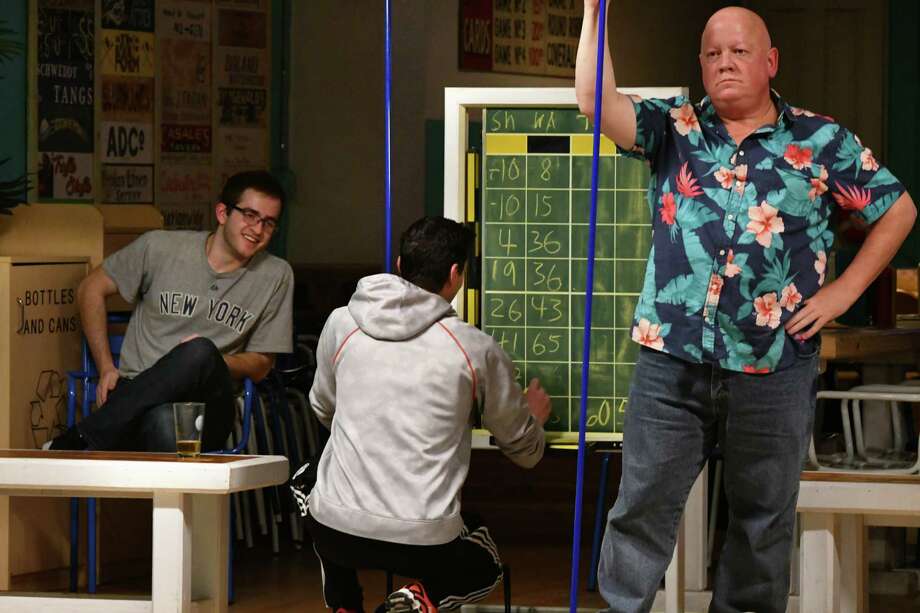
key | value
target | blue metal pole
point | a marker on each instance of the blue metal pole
(589, 297)
(389, 204)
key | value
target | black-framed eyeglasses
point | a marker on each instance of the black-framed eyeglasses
(251, 218)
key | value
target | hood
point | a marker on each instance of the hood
(390, 308)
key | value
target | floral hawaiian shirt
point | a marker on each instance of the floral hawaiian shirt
(741, 230)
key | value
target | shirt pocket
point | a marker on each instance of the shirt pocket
(800, 188)
(795, 192)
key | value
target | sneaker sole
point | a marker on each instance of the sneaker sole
(402, 603)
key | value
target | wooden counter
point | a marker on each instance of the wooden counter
(867, 344)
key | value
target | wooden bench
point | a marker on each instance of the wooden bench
(190, 518)
(835, 510)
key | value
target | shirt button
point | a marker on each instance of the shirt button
(730, 217)
(741, 153)
(722, 252)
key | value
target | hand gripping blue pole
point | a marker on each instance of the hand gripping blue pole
(589, 297)
(388, 85)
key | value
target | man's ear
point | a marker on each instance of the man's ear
(456, 275)
(221, 211)
(398, 267)
(773, 62)
(452, 284)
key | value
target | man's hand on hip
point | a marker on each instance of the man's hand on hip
(107, 382)
(830, 302)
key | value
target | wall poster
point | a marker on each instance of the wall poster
(127, 139)
(184, 190)
(538, 37)
(149, 101)
(65, 91)
(242, 78)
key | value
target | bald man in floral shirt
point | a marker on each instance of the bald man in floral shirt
(742, 190)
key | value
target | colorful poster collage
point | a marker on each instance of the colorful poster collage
(242, 78)
(538, 37)
(65, 99)
(184, 191)
(183, 101)
(127, 143)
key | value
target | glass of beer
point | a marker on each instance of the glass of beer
(189, 424)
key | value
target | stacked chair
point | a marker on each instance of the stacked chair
(877, 427)
(858, 455)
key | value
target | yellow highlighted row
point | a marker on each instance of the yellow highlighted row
(583, 144)
(516, 144)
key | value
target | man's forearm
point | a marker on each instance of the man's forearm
(618, 120)
(880, 246)
(586, 63)
(249, 364)
(93, 317)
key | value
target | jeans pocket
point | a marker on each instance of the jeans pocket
(807, 349)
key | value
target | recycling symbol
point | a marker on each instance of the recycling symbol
(49, 408)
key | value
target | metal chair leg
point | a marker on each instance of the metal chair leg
(74, 542)
(231, 592)
(506, 585)
(598, 523)
(91, 545)
(74, 502)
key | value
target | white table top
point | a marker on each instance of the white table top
(105, 472)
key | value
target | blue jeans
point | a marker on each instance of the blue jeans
(138, 416)
(677, 413)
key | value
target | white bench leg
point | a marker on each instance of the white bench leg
(210, 550)
(696, 539)
(172, 562)
(820, 580)
(674, 576)
(851, 545)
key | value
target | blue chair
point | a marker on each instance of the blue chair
(599, 514)
(88, 377)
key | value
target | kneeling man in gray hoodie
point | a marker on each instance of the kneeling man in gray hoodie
(400, 379)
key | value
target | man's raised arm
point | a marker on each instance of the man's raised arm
(618, 118)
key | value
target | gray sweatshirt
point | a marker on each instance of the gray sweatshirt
(399, 377)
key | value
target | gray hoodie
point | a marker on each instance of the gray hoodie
(399, 377)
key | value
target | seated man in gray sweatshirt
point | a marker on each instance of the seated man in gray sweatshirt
(399, 381)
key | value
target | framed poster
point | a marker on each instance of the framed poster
(66, 96)
(538, 37)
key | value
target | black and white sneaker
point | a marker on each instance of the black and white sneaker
(302, 483)
(71, 440)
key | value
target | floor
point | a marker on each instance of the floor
(291, 582)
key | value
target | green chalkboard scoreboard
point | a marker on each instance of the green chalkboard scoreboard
(536, 202)
(533, 219)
